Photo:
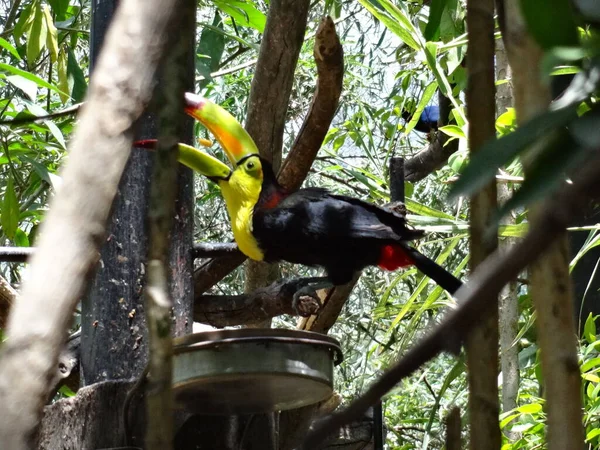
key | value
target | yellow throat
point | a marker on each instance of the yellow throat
(241, 193)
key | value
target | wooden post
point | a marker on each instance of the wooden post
(114, 335)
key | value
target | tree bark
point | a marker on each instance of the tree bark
(75, 225)
(508, 323)
(482, 343)
(550, 286)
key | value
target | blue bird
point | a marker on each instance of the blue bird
(428, 120)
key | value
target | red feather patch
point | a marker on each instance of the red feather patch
(273, 200)
(393, 257)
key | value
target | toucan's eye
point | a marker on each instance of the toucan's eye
(250, 165)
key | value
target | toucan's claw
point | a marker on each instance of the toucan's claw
(306, 301)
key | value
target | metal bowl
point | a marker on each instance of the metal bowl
(253, 370)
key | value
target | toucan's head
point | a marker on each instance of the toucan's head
(249, 169)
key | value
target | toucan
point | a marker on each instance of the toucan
(428, 120)
(310, 226)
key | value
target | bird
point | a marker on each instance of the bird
(428, 120)
(310, 226)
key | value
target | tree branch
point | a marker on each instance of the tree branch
(329, 56)
(472, 298)
(258, 306)
(74, 228)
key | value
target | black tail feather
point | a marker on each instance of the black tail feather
(433, 270)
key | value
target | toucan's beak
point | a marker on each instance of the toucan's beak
(236, 142)
(195, 159)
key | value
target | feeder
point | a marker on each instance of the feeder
(247, 371)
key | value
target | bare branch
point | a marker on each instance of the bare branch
(486, 281)
(258, 306)
(329, 57)
(74, 228)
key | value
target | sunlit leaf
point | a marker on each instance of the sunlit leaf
(52, 35)
(29, 87)
(453, 131)
(589, 330)
(8, 46)
(423, 102)
(30, 76)
(26, 17)
(244, 13)
(398, 28)
(531, 408)
(21, 239)
(36, 36)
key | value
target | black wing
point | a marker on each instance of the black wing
(323, 212)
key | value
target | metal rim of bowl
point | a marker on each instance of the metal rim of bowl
(208, 339)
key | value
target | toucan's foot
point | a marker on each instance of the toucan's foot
(306, 301)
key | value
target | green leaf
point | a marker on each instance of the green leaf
(453, 131)
(28, 75)
(26, 17)
(211, 46)
(39, 168)
(551, 22)
(405, 31)
(27, 86)
(63, 77)
(531, 408)
(36, 37)
(21, 239)
(8, 46)
(60, 8)
(589, 329)
(423, 210)
(436, 9)
(592, 434)
(54, 130)
(244, 13)
(10, 210)
(458, 161)
(498, 152)
(77, 84)
(423, 101)
(52, 35)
